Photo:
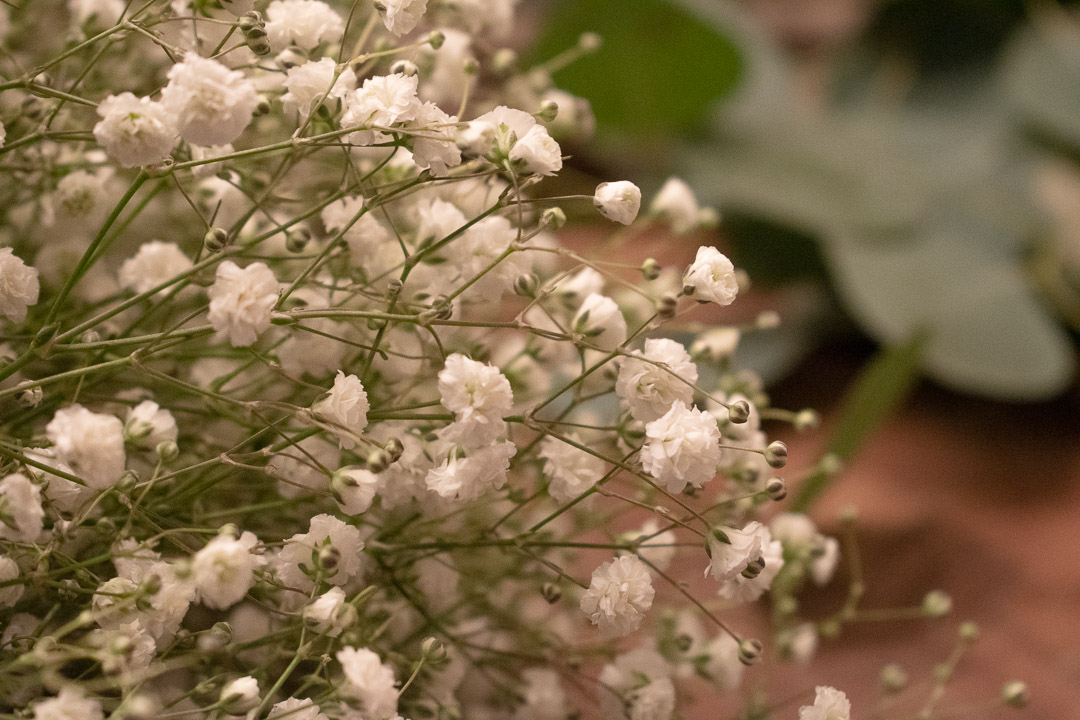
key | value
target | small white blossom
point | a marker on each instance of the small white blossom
(619, 595)
(70, 704)
(148, 424)
(629, 672)
(135, 131)
(296, 709)
(21, 515)
(601, 322)
(224, 570)
(313, 84)
(156, 262)
(655, 701)
(467, 478)
(543, 696)
(675, 202)
(368, 681)
(241, 301)
(433, 139)
(210, 104)
(346, 408)
(712, 277)
(382, 101)
(681, 447)
(730, 556)
(326, 535)
(618, 201)
(741, 589)
(570, 470)
(536, 152)
(354, 489)
(401, 16)
(9, 570)
(91, 444)
(329, 613)
(304, 23)
(479, 395)
(651, 381)
(829, 704)
(240, 695)
(18, 286)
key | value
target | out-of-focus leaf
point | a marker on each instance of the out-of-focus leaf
(774, 253)
(660, 70)
(879, 390)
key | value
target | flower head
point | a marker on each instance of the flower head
(91, 444)
(829, 704)
(619, 595)
(682, 446)
(135, 131)
(224, 570)
(209, 103)
(368, 681)
(241, 300)
(346, 408)
(303, 23)
(652, 380)
(711, 277)
(18, 286)
(618, 201)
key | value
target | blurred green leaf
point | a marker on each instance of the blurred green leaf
(879, 390)
(659, 71)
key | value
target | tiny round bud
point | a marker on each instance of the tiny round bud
(216, 638)
(684, 642)
(893, 678)
(229, 530)
(262, 107)
(503, 61)
(167, 451)
(749, 651)
(549, 110)
(968, 631)
(936, 604)
(240, 696)
(551, 592)
(259, 46)
(296, 241)
(329, 558)
(436, 39)
(754, 568)
(151, 585)
(139, 707)
(404, 67)
(433, 650)
(249, 20)
(668, 305)
(739, 412)
(590, 41)
(776, 454)
(650, 269)
(526, 285)
(806, 420)
(1015, 694)
(216, 239)
(776, 489)
(708, 218)
(552, 218)
(394, 448)
(378, 460)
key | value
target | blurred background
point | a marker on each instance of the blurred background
(901, 180)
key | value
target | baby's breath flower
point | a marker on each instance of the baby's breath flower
(18, 286)
(296, 709)
(368, 681)
(9, 570)
(619, 595)
(156, 262)
(681, 447)
(732, 551)
(241, 301)
(315, 83)
(829, 704)
(135, 131)
(401, 16)
(91, 444)
(570, 470)
(224, 570)
(618, 201)
(209, 103)
(651, 381)
(329, 613)
(21, 514)
(479, 395)
(600, 321)
(303, 23)
(711, 277)
(346, 408)
(675, 202)
(70, 704)
(148, 424)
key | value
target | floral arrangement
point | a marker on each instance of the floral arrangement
(306, 413)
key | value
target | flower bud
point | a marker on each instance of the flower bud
(754, 568)
(329, 558)
(968, 631)
(167, 451)
(590, 42)
(433, 650)
(806, 420)
(250, 20)
(738, 412)
(436, 39)
(526, 285)
(551, 592)
(936, 604)
(503, 61)
(767, 320)
(404, 67)
(552, 218)
(216, 239)
(240, 696)
(893, 678)
(262, 107)
(668, 305)
(776, 489)
(776, 454)
(650, 269)
(549, 110)
(297, 240)
(216, 638)
(394, 448)
(749, 651)
(378, 460)
(30, 397)
(1015, 694)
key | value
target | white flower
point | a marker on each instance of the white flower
(716, 344)
(475, 138)
(655, 701)
(467, 478)
(712, 277)
(294, 709)
(156, 262)
(740, 588)
(313, 84)
(829, 704)
(224, 570)
(536, 152)
(368, 681)
(135, 131)
(241, 301)
(304, 23)
(9, 570)
(354, 489)
(147, 425)
(731, 555)
(794, 529)
(676, 203)
(823, 566)
(629, 672)
(433, 141)
(570, 470)
(618, 201)
(103, 12)
(210, 103)
(581, 284)
(382, 101)
(681, 447)
(600, 321)
(480, 246)
(479, 395)
(401, 16)
(18, 286)
(619, 595)
(70, 704)
(240, 695)
(543, 696)
(651, 381)
(346, 408)
(724, 666)
(91, 444)
(21, 514)
(327, 538)
(329, 613)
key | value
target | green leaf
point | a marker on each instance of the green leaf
(880, 389)
(660, 69)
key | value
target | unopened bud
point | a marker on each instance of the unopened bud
(551, 592)
(776, 489)
(650, 269)
(30, 397)
(404, 67)
(968, 631)
(167, 451)
(754, 568)
(436, 39)
(262, 107)
(936, 604)
(329, 558)
(806, 420)
(296, 241)
(433, 650)
(668, 305)
(552, 218)
(260, 46)
(590, 42)
(776, 454)
(215, 239)
(739, 412)
(378, 460)
(526, 285)
(708, 218)
(240, 696)
(503, 61)
(767, 319)
(893, 678)
(249, 20)
(217, 637)
(1015, 694)
(549, 110)
(749, 651)
(394, 448)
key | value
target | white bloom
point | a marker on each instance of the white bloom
(70, 704)
(716, 344)
(479, 395)
(224, 570)
(681, 447)
(543, 696)
(304, 23)
(240, 695)
(346, 408)
(829, 704)
(618, 201)
(103, 12)
(600, 321)
(536, 152)
(401, 16)
(313, 84)
(21, 514)
(570, 470)
(368, 681)
(741, 589)
(712, 277)
(135, 131)
(724, 666)
(327, 537)
(651, 381)
(794, 529)
(9, 570)
(800, 642)
(156, 262)
(147, 425)
(676, 203)
(824, 565)
(294, 709)
(730, 556)
(329, 613)
(619, 595)
(241, 301)
(467, 478)
(475, 138)
(91, 444)
(655, 701)
(210, 103)
(433, 139)
(354, 489)
(382, 101)
(18, 286)
(629, 672)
